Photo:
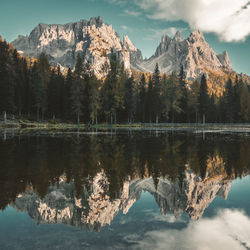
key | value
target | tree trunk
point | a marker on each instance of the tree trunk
(96, 121)
(156, 119)
(78, 118)
(111, 119)
(37, 114)
(204, 119)
(4, 117)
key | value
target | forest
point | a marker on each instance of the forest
(34, 90)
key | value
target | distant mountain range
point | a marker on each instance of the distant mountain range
(95, 41)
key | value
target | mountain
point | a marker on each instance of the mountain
(94, 208)
(193, 53)
(95, 41)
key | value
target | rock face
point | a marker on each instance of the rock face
(93, 39)
(193, 53)
(94, 208)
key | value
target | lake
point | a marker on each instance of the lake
(124, 189)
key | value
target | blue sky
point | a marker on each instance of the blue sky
(225, 23)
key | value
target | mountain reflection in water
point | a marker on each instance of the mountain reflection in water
(85, 181)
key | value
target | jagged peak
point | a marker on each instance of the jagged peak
(196, 35)
(224, 60)
(97, 21)
(165, 37)
(128, 44)
(178, 36)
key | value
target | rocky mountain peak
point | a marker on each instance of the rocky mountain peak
(97, 21)
(128, 44)
(96, 41)
(196, 36)
(193, 53)
(224, 60)
(93, 40)
(178, 37)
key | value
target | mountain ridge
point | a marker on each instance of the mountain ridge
(96, 41)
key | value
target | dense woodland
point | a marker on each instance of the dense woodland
(34, 90)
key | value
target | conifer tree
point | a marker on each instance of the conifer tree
(229, 101)
(7, 91)
(157, 105)
(203, 99)
(130, 99)
(67, 94)
(77, 88)
(141, 103)
(184, 96)
(149, 101)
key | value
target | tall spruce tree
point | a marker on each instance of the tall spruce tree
(156, 92)
(141, 101)
(7, 88)
(229, 101)
(67, 94)
(149, 101)
(77, 88)
(113, 90)
(184, 96)
(203, 99)
(130, 99)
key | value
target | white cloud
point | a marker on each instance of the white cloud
(126, 28)
(132, 12)
(230, 229)
(229, 19)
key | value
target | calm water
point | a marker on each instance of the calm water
(128, 190)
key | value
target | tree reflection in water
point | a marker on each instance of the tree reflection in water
(86, 180)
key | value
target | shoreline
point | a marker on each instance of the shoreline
(14, 125)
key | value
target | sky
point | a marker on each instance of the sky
(225, 23)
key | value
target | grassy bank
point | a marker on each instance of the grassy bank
(39, 125)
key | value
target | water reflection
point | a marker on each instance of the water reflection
(85, 180)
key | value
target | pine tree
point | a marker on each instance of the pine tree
(149, 101)
(203, 98)
(112, 90)
(77, 88)
(229, 101)
(165, 100)
(7, 90)
(38, 91)
(43, 68)
(95, 102)
(79, 66)
(184, 96)
(67, 94)
(193, 101)
(141, 103)
(130, 99)
(173, 94)
(244, 104)
(236, 97)
(157, 105)
(76, 94)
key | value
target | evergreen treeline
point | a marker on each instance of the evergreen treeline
(38, 91)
